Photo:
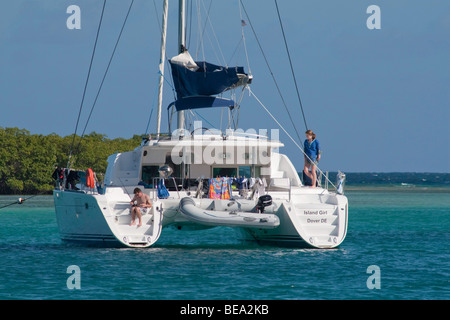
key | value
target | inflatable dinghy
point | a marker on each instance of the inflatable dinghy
(231, 218)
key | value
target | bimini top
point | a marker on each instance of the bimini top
(203, 78)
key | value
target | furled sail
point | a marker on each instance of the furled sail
(202, 78)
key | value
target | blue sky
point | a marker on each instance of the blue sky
(377, 99)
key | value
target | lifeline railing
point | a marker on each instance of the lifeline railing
(154, 188)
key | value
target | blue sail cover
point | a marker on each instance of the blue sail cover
(209, 79)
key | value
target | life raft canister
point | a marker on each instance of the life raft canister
(90, 181)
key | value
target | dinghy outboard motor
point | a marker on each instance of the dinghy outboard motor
(263, 201)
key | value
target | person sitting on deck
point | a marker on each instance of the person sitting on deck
(139, 202)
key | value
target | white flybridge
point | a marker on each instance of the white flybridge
(204, 178)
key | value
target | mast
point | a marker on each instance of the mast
(181, 48)
(162, 59)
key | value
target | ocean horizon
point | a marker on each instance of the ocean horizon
(376, 180)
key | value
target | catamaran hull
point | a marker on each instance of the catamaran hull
(98, 220)
(285, 223)
(80, 219)
(321, 225)
(104, 220)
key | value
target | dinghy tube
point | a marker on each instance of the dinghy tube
(227, 218)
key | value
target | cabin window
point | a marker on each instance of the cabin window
(224, 172)
(256, 172)
(149, 172)
(175, 167)
(245, 171)
(241, 171)
(249, 171)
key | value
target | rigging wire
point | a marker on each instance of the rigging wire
(148, 122)
(243, 24)
(208, 20)
(87, 81)
(285, 131)
(104, 76)
(158, 23)
(167, 66)
(270, 71)
(109, 64)
(290, 62)
(188, 36)
(200, 44)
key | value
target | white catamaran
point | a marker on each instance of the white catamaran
(203, 178)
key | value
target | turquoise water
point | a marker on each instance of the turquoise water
(405, 232)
